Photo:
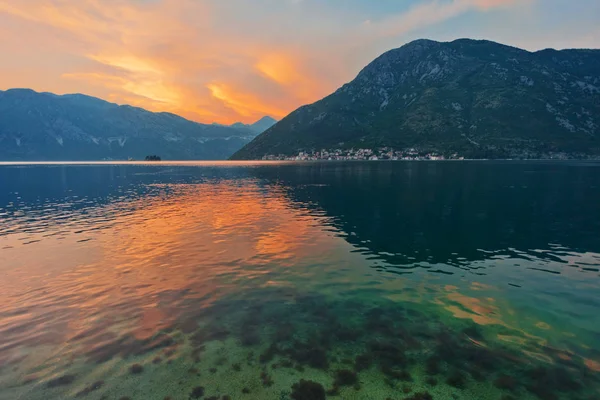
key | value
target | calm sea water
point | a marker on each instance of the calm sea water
(425, 280)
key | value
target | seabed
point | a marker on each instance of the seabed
(312, 346)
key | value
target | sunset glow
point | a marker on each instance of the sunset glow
(235, 60)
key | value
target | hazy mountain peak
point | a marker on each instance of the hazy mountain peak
(257, 127)
(263, 124)
(266, 118)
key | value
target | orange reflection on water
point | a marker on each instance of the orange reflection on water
(153, 265)
(480, 310)
(593, 365)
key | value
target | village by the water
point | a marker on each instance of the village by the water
(384, 153)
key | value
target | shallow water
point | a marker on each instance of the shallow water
(463, 280)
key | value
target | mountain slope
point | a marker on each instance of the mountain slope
(44, 126)
(474, 98)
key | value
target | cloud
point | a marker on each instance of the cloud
(244, 104)
(431, 13)
(208, 60)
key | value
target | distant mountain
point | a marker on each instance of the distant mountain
(262, 124)
(258, 127)
(478, 99)
(45, 126)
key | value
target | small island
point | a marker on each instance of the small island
(152, 158)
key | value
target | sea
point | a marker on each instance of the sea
(300, 281)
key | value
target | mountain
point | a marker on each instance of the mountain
(263, 124)
(477, 99)
(45, 126)
(258, 127)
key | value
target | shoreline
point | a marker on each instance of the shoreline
(270, 162)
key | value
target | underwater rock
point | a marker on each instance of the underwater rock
(334, 391)
(406, 389)
(541, 391)
(29, 379)
(210, 334)
(409, 338)
(314, 357)
(477, 375)
(378, 322)
(390, 382)
(226, 397)
(221, 361)
(405, 376)
(171, 351)
(266, 379)
(236, 367)
(61, 381)
(557, 379)
(197, 392)
(136, 369)
(431, 381)
(432, 366)
(308, 390)
(268, 355)
(195, 355)
(284, 332)
(89, 389)
(474, 332)
(345, 377)
(457, 379)
(245, 390)
(546, 382)
(389, 355)
(345, 333)
(362, 362)
(505, 382)
(249, 337)
(158, 342)
(479, 357)
(401, 375)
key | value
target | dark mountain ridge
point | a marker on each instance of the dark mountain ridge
(46, 126)
(473, 98)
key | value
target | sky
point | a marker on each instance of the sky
(237, 60)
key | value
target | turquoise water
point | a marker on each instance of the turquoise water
(381, 280)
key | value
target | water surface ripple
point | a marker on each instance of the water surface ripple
(381, 280)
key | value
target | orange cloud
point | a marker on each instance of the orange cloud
(287, 71)
(208, 61)
(279, 68)
(244, 104)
